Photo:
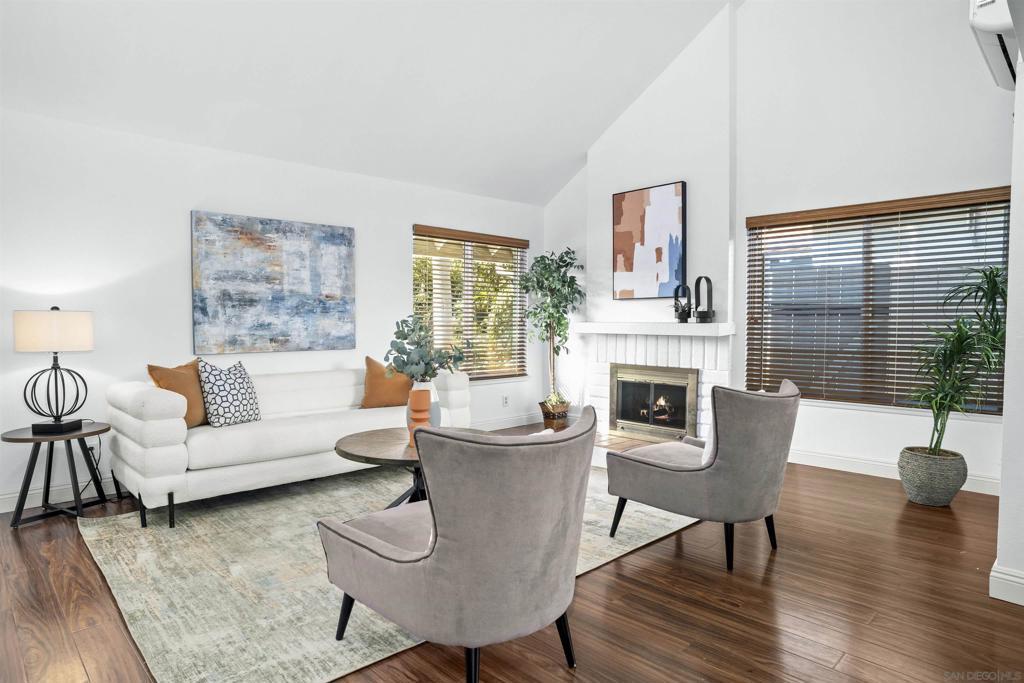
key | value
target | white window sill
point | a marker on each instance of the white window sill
(497, 380)
(894, 410)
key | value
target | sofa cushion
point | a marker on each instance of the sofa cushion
(382, 391)
(228, 394)
(409, 526)
(298, 393)
(282, 437)
(184, 380)
(670, 453)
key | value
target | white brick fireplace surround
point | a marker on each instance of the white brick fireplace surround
(704, 347)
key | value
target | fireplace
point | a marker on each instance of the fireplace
(649, 401)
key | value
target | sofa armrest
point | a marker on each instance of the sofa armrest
(453, 399)
(146, 402)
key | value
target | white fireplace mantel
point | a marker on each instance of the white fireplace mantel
(705, 347)
(661, 329)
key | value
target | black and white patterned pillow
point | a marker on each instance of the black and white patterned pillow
(229, 394)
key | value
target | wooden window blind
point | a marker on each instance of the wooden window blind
(841, 300)
(466, 285)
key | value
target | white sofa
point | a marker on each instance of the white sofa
(161, 462)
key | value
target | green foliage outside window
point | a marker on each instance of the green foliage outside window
(489, 311)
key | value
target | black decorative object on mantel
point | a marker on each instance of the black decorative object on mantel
(683, 308)
(708, 313)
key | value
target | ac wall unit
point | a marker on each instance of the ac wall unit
(993, 29)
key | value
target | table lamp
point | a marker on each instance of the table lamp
(55, 392)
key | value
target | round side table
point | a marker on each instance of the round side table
(25, 435)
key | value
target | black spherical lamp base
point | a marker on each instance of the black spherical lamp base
(56, 393)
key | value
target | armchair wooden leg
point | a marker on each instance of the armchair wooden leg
(142, 512)
(618, 515)
(566, 637)
(769, 522)
(472, 665)
(170, 510)
(728, 545)
(347, 602)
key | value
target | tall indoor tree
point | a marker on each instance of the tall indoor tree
(954, 369)
(555, 292)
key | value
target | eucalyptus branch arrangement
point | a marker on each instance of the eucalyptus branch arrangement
(412, 352)
(555, 293)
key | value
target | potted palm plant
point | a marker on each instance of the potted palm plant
(954, 367)
(555, 293)
(412, 353)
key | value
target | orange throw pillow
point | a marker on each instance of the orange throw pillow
(381, 391)
(183, 380)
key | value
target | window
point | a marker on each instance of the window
(466, 285)
(841, 300)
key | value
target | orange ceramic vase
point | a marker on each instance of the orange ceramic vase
(419, 411)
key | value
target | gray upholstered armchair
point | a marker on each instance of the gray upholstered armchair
(489, 557)
(739, 481)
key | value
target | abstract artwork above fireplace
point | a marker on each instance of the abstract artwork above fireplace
(650, 401)
(261, 284)
(649, 241)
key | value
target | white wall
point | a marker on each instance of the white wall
(565, 217)
(843, 103)
(1007, 578)
(565, 225)
(666, 135)
(678, 129)
(832, 103)
(99, 220)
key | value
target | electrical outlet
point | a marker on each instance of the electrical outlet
(504, 401)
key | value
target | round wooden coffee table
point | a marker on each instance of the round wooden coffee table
(388, 448)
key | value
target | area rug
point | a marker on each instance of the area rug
(239, 591)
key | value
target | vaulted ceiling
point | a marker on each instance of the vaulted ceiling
(498, 98)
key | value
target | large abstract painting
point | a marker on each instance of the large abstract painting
(260, 284)
(649, 241)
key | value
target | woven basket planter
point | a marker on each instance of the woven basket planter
(555, 416)
(931, 479)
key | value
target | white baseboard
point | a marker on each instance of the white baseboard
(493, 423)
(880, 468)
(877, 468)
(1006, 584)
(58, 494)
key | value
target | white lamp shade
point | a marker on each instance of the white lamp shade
(53, 331)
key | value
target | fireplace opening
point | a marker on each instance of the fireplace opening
(652, 404)
(653, 401)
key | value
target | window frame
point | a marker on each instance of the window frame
(521, 249)
(879, 215)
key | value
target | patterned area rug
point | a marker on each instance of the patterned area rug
(239, 591)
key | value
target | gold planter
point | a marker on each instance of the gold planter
(556, 416)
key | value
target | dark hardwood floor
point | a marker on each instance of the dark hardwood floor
(864, 586)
